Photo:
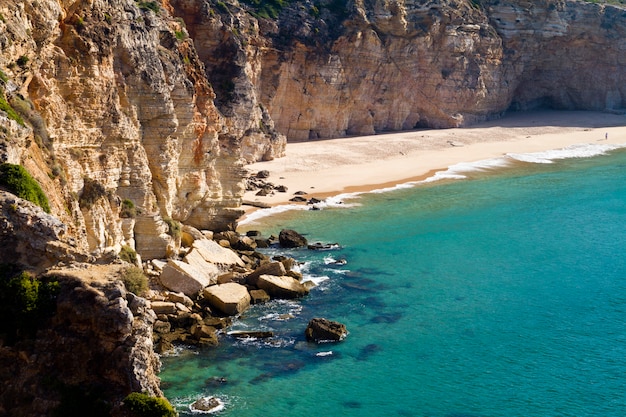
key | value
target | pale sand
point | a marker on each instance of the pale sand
(328, 167)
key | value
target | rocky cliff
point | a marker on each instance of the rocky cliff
(159, 104)
(135, 116)
(93, 352)
(417, 63)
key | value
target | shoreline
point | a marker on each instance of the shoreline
(327, 168)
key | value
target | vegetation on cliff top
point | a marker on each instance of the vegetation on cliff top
(18, 181)
(270, 9)
(143, 405)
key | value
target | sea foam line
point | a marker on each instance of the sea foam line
(455, 172)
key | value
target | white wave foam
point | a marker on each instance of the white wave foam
(317, 280)
(582, 150)
(259, 214)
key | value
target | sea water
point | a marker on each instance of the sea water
(502, 294)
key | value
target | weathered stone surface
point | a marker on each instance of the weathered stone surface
(213, 253)
(259, 296)
(179, 276)
(31, 237)
(230, 298)
(189, 234)
(291, 239)
(164, 307)
(194, 258)
(324, 330)
(282, 286)
(270, 268)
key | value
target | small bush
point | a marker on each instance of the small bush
(18, 181)
(128, 209)
(128, 254)
(3, 76)
(173, 227)
(22, 61)
(92, 192)
(144, 405)
(25, 302)
(9, 110)
(149, 5)
(135, 280)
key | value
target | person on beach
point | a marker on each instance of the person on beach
(606, 136)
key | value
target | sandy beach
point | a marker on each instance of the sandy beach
(328, 167)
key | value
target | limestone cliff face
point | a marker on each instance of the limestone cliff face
(417, 63)
(114, 94)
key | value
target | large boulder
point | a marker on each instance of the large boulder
(195, 259)
(213, 253)
(324, 330)
(270, 268)
(291, 239)
(179, 276)
(282, 286)
(230, 298)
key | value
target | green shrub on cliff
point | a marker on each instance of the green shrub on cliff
(135, 280)
(25, 302)
(18, 181)
(143, 405)
(173, 227)
(268, 9)
(92, 191)
(9, 110)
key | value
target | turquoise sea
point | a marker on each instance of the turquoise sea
(499, 295)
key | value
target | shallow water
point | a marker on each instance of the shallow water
(502, 295)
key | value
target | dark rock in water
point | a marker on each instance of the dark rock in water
(291, 239)
(323, 246)
(215, 381)
(263, 174)
(324, 330)
(298, 199)
(207, 405)
(314, 201)
(257, 334)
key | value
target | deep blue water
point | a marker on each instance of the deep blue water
(500, 295)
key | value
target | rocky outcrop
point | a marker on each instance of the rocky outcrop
(96, 349)
(29, 236)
